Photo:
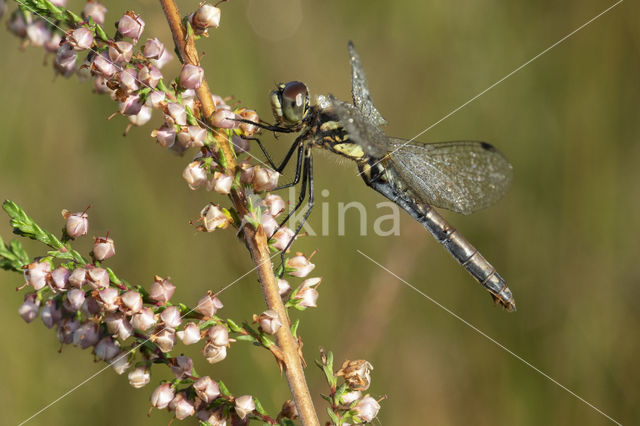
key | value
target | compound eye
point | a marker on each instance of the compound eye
(295, 101)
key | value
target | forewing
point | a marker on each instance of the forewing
(462, 176)
(360, 130)
(360, 90)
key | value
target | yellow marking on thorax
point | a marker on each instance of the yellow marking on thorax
(350, 150)
(329, 125)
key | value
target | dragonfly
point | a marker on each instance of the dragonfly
(460, 176)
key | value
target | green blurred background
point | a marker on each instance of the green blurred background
(566, 237)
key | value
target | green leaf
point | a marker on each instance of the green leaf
(25, 226)
(334, 419)
(101, 34)
(259, 407)
(246, 338)
(294, 328)
(223, 389)
(233, 326)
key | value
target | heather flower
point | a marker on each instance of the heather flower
(300, 264)
(120, 52)
(81, 38)
(53, 44)
(349, 397)
(214, 353)
(307, 295)
(282, 237)
(142, 117)
(36, 274)
(166, 136)
(182, 367)
(283, 288)
(74, 299)
(269, 224)
(28, 311)
(139, 377)
(213, 217)
(96, 11)
(108, 299)
(66, 328)
(150, 76)
(208, 305)
(50, 314)
(244, 405)
(99, 278)
(190, 334)
(128, 80)
(103, 248)
(107, 349)
(220, 183)
(102, 65)
(78, 277)
(17, 24)
(171, 316)
(38, 33)
(162, 396)
(177, 114)
(269, 321)
(120, 363)
(76, 224)
(165, 339)
(191, 76)
(240, 144)
(144, 319)
(65, 62)
(264, 179)
(86, 335)
(182, 406)
(274, 204)
(207, 16)
(367, 409)
(206, 389)
(131, 105)
(131, 302)
(195, 174)
(131, 25)
(224, 118)
(247, 128)
(161, 290)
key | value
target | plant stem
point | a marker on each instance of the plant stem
(256, 241)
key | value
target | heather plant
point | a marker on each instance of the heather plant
(136, 328)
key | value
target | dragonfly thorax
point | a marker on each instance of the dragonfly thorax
(290, 104)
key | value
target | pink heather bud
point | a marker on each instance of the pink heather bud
(350, 397)
(171, 316)
(269, 321)
(66, 328)
(269, 224)
(108, 299)
(60, 278)
(143, 320)
(244, 405)
(103, 248)
(131, 302)
(78, 277)
(118, 324)
(213, 353)
(128, 80)
(206, 389)
(307, 296)
(367, 409)
(139, 377)
(150, 76)
(246, 172)
(161, 290)
(86, 335)
(357, 374)
(142, 117)
(80, 38)
(131, 25)
(274, 204)
(163, 60)
(165, 135)
(131, 105)
(36, 274)
(53, 44)
(120, 52)
(191, 76)
(208, 305)
(213, 217)
(249, 129)
(91, 306)
(183, 367)
(59, 3)
(103, 65)
(153, 49)
(218, 335)
(165, 339)
(38, 33)
(156, 98)
(100, 86)
(28, 311)
(77, 224)
(224, 119)
(177, 113)
(240, 145)
(282, 237)
(65, 62)
(107, 349)
(162, 396)
(192, 136)
(284, 289)
(50, 314)
(74, 300)
(206, 16)
(182, 406)
(195, 174)
(216, 418)
(264, 179)
(99, 278)
(94, 10)
(300, 264)
(190, 334)
(121, 363)
(221, 183)
(17, 24)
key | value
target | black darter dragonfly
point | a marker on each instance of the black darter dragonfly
(462, 176)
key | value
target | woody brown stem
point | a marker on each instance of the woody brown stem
(255, 240)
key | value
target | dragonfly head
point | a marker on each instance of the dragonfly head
(290, 103)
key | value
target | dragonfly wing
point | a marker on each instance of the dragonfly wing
(462, 176)
(360, 90)
(361, 131)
